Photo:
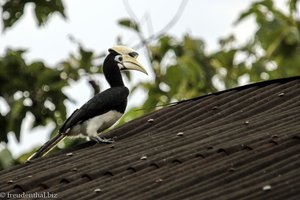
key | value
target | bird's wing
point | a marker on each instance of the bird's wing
(111, 99)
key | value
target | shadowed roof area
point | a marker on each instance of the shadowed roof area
(242, 143)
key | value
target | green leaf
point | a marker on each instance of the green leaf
(15, 118)
(44, 9)
(12, 11)
(86, 58)
(173, 79)
(258, 9)
(128, 23)
(293, 6)
(6, 159)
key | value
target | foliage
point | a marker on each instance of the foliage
(14, 9)
(37, 89)
(277, 37)
(183, 67)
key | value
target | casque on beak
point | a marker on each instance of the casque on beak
(129, 58)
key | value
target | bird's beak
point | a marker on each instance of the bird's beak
(131, 63)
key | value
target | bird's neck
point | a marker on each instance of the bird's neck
(112, 73)
(114, 78)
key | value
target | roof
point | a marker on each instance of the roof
(242, 143)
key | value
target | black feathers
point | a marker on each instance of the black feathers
(114, 98)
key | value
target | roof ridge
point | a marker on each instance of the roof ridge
(242, 87)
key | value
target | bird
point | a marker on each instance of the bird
(105, 108)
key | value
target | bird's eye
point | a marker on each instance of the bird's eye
(119, 58)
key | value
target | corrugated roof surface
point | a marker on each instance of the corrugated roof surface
(242, 143)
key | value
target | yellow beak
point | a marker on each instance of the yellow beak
(130, 63)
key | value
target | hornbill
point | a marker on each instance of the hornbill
(105, 108)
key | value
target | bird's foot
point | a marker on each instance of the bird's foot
(103, 140)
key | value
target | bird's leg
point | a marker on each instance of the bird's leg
(102, 140)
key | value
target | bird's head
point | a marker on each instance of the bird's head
(126, 58)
